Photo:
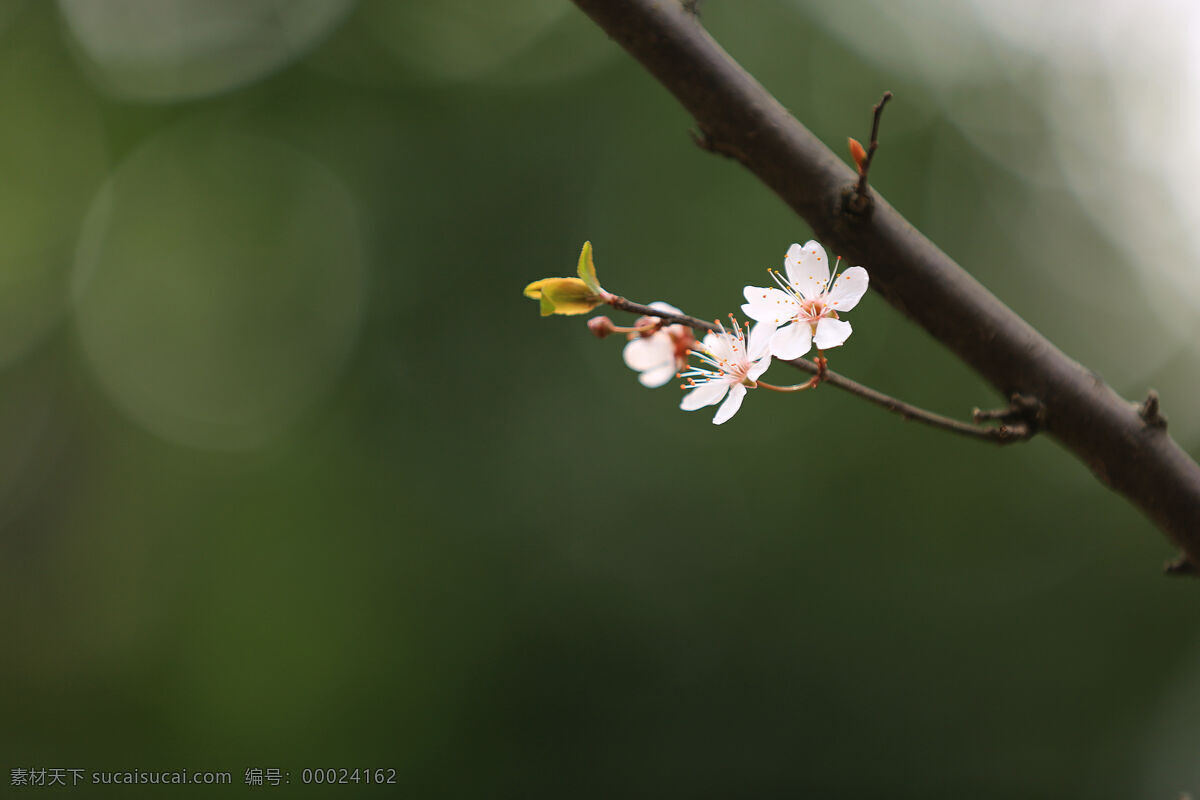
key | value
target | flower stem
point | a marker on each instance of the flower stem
(1004, 434)
(634, 329)
(799, 387)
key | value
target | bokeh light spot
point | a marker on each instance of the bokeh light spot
(219, 286)
(165, 50)
(519, 42)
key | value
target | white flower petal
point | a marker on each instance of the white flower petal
(658, 376)
(731, 405)
(765, 304)
(807, 268)
(703, 395)
(719, 347)
(677, 333)
(848, 289)
(791, 261)
(759, 342)
(831, 333)
(649, 352)
(792, 341)
(757, 368)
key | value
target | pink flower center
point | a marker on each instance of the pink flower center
(813, 311)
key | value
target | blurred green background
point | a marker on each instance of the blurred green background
(293, 477)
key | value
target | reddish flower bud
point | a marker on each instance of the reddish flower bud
(601, 326)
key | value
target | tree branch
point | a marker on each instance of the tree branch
(1015, 426)
(737, 117)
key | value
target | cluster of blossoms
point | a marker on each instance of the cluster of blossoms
(800, 312)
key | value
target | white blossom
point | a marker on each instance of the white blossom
(660, 355)
(731, 362)
(805, 307)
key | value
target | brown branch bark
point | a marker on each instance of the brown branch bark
(1129, 452)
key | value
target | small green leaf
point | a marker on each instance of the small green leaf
(587, 268)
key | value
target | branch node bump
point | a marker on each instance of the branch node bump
(1149, 412)
(1181, 565)
(1021, 419)
(1013, 432)
(856, 203)
(705, 141)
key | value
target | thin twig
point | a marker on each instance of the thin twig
(862, 200)
(694, 323)
(1005, 434)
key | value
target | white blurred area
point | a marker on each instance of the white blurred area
(1096, 107)
(170, 50)
(1168, 749)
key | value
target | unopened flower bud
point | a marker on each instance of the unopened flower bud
(857, 153)
(601, 326)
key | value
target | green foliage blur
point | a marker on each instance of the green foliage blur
(294, 477)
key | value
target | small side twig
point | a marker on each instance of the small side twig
(1023, 413)
(1006, 433)
(707, 143)
(860, 200)
(1149, 411)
